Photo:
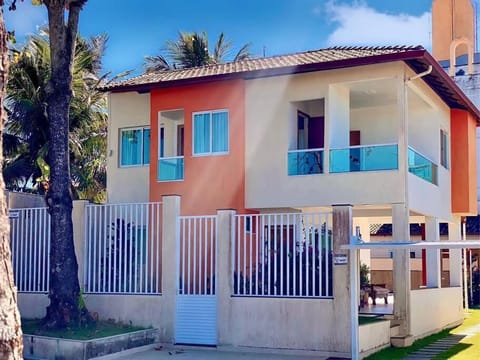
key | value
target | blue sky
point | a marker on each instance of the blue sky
(281, 26)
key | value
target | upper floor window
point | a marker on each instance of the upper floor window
(444, 149)
(135, 146)
(210, 133)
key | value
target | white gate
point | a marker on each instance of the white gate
(30, 244)
(196, 302)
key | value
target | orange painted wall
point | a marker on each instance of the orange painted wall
(451, 19)
(463, 162)
(210, 182)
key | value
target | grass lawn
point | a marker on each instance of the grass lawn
(99, 330)
(467, 349)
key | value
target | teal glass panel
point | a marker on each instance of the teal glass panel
(170, 169)
(131, 147)
(420, 166)
(305, 162)
(146, 146)
(364, 158)
(220, 132)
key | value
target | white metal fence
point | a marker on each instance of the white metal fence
(123, 245)
(30, 244)
(284, 255)
(196, 255)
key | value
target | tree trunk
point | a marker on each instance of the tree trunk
(11, 345)
(64, 286)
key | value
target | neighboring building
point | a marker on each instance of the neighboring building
(384, 130)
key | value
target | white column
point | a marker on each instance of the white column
(170, 214)
(455, 255)
(433, 265)
(224, 275)
(79, 237)
(337, 121)
(401, 268)
(364, 225)
(346, 317)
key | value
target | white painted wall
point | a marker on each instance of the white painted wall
(373, 337)
(444, 303)
(129, 184)
(270, 133)
(377, 125)
(284, 323)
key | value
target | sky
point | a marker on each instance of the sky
(271, 26)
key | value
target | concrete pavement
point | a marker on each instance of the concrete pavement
(169, 352)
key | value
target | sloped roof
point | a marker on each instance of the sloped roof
(317, 60)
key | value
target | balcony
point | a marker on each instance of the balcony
(305, 162)
(170, 169)
(364, 158)
(422, 167)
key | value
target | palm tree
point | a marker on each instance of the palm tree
(26, 130)
(191, 50)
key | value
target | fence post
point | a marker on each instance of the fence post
(224, 240)
(342, 232)
(79, 236)
(170, 214)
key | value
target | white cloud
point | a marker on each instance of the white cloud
(359, 25)
(26, 19)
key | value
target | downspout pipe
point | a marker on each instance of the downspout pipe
(422, 74)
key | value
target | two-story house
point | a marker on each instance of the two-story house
(383, 132)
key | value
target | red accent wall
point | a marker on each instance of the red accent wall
(210, 182)
(463, 162)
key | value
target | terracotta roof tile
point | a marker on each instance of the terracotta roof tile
(245, 67)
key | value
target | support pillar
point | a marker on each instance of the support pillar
(224, 289)
(364, 225)
(433, 257)
(455, 255)
(170, 214)
(346, 315)
(79, 237)
(401, 268)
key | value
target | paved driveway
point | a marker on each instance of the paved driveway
(188, 353)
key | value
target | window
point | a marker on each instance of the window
(210, 133)
(135, 146)
(444, 149)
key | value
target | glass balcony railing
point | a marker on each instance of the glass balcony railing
(422, 167)
(305, 162)
(364, 158)
(170, 169)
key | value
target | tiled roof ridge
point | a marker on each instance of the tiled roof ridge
(375, 47)
(154, 76)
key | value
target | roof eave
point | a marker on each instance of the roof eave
(284, 70)
(453, 85)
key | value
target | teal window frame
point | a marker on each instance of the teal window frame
(214, 133)
(143, 147)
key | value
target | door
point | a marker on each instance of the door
(355, 159)
(196, 299)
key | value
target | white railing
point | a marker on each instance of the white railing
(30, 244)
(283, 255)
(196, 250)
(122, 248)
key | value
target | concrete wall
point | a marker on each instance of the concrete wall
(127, 184)
(19, 200)
(373, 337)
(283, 323)
(445, 304)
